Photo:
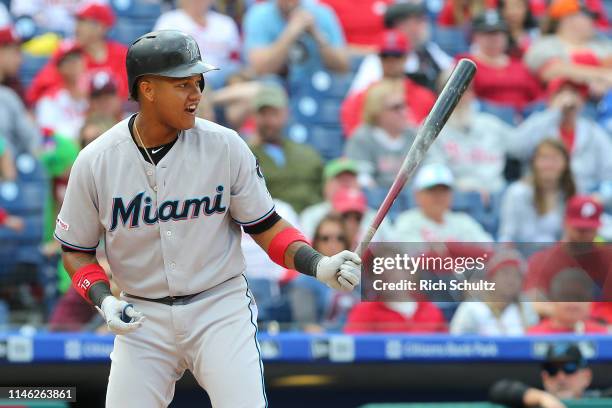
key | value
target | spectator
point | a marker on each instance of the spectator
(93, 23)
(339, 174)
(500, 79)
(10, 60)
(565, 375)
(216, 34)
(596, 9)
(361, 21)
(419, 100)
(572, 50)
(538, 200)
(16, 127)
(522, 25)
(11, 221)
(589, 145)
(380, 145)
(568, 317)
(575, 250)
(474, 146)
(294, 37)
(426, 60)
(501, 313)
(458, 13)
(293, 171)
(104, 98)
(63, 109)
(433, 220)
(310, 302)
(8, 171)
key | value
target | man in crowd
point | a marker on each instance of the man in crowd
(10, 59)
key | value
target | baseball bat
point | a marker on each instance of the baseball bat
(454, 88)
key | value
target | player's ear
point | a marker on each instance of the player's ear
(146, 88)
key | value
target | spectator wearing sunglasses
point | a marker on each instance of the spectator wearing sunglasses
(565, 375)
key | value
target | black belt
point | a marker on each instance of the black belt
(168, 300)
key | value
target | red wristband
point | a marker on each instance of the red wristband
(281, 241)
(85, 277)
(3, 216)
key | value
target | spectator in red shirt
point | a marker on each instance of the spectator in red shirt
(10, 59)
(393, 52)
(500, 79)
(576, 250)
(569, 317)
(93, 23)
(395, 317)
(522, 25)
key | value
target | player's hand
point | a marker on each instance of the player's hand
(341, 271)
(120, 316)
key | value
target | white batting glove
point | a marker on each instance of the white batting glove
(120, 316)
(341, 271)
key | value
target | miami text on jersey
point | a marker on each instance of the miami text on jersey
(168, 210)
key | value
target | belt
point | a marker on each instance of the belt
(168, 300)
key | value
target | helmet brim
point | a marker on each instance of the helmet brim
(199, 67)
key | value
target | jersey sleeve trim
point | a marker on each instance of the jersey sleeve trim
(80, 248)
(260, 219)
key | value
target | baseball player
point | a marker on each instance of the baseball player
(170, 193)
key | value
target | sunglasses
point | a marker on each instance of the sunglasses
(327, 238)
(567, 368)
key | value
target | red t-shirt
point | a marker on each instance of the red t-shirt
(568, 136)
(361, 20)
(48, 79)
(377, 317)
(602, 312)
(544, 265)
(512, 85)
(546, 327)
(419, 101)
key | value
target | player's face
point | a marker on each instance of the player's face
(176, 100)
(567, 385)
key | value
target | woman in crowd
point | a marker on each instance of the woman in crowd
(522, 25)
(500, 313)
(532, 208)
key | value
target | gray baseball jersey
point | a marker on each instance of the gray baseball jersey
(171, 229)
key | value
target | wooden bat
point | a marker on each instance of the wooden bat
(454, 88)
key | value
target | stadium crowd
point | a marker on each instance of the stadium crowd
(329, 95)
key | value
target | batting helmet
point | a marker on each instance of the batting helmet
(168, 53)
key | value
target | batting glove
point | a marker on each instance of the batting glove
(341, 271)
(120, 316)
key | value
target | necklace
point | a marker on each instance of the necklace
(142, 144)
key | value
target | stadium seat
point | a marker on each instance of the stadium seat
(31, 234)
(330, 86)
(505, 113)
(451, 40)
(23, 198)
(127, 30)
(30, 66)
(137, 9)
(327, 140)
(29, 169)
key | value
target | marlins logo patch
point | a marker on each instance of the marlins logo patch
(258, 169)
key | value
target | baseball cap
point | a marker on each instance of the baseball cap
(8, 36)
(102, 83)
(504, 258)
(338, 166)
(393, 42)
(583, 212)
(563, 8)
(101, 13)
(402, 10)
(489, 22)
(270, 95)
(559, 353)
(432, 175)
(66, 49)
(349, 199)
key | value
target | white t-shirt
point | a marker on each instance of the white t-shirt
(61, 112)
(219, 40)
(478, 318)
(413, 226)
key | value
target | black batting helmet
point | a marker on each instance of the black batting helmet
(169, 53)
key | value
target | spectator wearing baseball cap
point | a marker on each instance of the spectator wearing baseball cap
(572, 48)
(501, 312)
(392, 53)
(63, 109)
(565, 375)
(104, 99)
(10, 59)
(588, 143)
(339, 174)
(432, 220)
(575, 250)
(293, 171)
(93, 23)
(500, 79)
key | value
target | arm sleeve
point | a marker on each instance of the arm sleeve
(537, 127)
(541, 52)
(255, 33)
(78, 223)
(509, 393)
(250, 202)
